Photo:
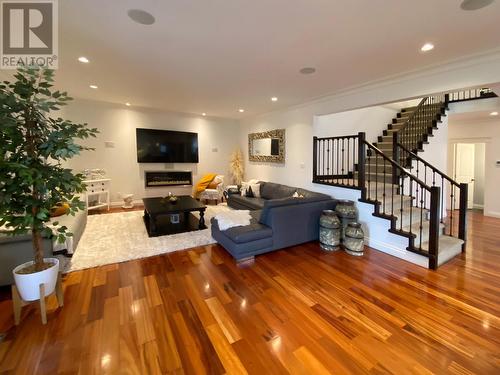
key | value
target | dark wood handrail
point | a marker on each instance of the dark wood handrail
(427, 164)
(420, 105)
(398, 166)
(338, 137)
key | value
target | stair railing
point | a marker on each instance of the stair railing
(416, 128)
(406, 204)
(351, 161)
(334, 160)
(471, 94)
(449, 188)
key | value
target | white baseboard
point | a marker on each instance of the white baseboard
(120, 203)
(492, 213)
(478, 206)
(398, 252)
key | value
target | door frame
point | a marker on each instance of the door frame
(451, 154)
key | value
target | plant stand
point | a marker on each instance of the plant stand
(18, 303)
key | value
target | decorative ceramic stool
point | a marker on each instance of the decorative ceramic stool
(354, 239)
(347, 213)
(128, 201)
(329, 231)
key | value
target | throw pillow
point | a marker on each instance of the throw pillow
(213, 185)
(59, 209)
(243, 190)
(255, 190)
(249, 192)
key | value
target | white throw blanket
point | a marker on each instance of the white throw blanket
(235, 218)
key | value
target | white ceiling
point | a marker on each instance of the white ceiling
(216, 56)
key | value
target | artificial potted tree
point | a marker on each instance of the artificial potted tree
(34, 146)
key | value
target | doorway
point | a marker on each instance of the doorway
(468, 167)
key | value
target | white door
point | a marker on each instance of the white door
(464, 170)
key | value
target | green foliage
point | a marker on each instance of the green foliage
(33, 147)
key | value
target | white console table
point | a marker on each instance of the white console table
(97, 194)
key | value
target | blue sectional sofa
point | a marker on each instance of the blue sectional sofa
(278, 220)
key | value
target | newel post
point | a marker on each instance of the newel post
(315, 159)
(434, 227)
(462, 218)
(362, 163)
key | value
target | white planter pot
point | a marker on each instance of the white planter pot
(28, 285)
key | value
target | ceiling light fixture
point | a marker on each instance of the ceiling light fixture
(274, 99)
(93, 86)
(427, 47)
(307, 70)
(83, 59)
(141, 16)
(475, 4)
(241, 110)
(203, 114)
(127, 104)
(494, 113)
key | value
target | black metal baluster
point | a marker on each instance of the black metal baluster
(442, 201)
(421, 214)
(383, 194)
(376, 176)
(348, 164)
(452, 197)
(342, 162)
(403, 174)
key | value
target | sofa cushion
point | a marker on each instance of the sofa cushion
(272, 203)
(270, 190)
(237, 201)
(253, 232)
(311, 194)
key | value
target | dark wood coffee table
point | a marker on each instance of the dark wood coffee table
(162, 217)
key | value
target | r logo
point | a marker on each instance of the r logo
(29, 28)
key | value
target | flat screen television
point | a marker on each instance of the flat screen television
(166, 146)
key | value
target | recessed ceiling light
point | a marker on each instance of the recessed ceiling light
(203, 114)
(127, 104)
(494, 113)
(241, 110)
(83, 59)
(307, 70)
(475, 4)
(274, 99)
(427, 47)
(93, 86)
(141, 16)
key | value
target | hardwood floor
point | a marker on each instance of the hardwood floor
(298, 311)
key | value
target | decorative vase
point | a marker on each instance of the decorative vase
(354, 239)
(329, 231)
(347, 213)
(28, 285)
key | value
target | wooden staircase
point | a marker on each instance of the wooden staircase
(383, 173)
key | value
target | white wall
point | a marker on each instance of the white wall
(479, 159)
(371, 120)
(483, 131)
(118, 123)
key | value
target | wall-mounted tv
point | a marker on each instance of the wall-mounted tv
(166, 146)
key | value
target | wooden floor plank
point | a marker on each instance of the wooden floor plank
(298, 311)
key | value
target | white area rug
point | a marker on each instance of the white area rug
(118, 237)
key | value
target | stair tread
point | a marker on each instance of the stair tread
(448, 248)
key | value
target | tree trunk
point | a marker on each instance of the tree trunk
(37, 247)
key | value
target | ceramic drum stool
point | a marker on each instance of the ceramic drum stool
(329, 231)
(354, 239)
(347, 213)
